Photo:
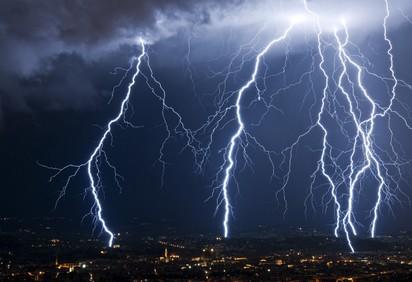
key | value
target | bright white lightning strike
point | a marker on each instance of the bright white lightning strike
(173, 127)
(364, 129)
(387, 110)
(97, 151)
(92, 163)
(235, 137)
(319, 121)
(365, 156)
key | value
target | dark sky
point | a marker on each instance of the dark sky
(58, 63)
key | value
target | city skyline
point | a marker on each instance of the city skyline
(195, 105)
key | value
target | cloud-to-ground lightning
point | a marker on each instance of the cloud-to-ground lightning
(325, 144)
(364, 133)
(386, 111)
(173, 125)
(364, 122)
(345, 99)
(92, 163)
(230, 150)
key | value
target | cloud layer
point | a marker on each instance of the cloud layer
(38, 37)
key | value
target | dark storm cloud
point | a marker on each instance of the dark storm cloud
(34, 35)
(31, 30)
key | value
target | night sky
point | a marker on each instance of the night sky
(59, 61)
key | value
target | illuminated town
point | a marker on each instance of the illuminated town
(295, 255)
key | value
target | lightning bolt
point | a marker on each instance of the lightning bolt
(325, 144)
(386, 111)
(230, 149)
(173, 124)
(98, 155)
(364, 132)
(363, 142)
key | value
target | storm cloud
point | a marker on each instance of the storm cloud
(32, 30)
(39, 39)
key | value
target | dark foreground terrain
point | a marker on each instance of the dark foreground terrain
(40, 253)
